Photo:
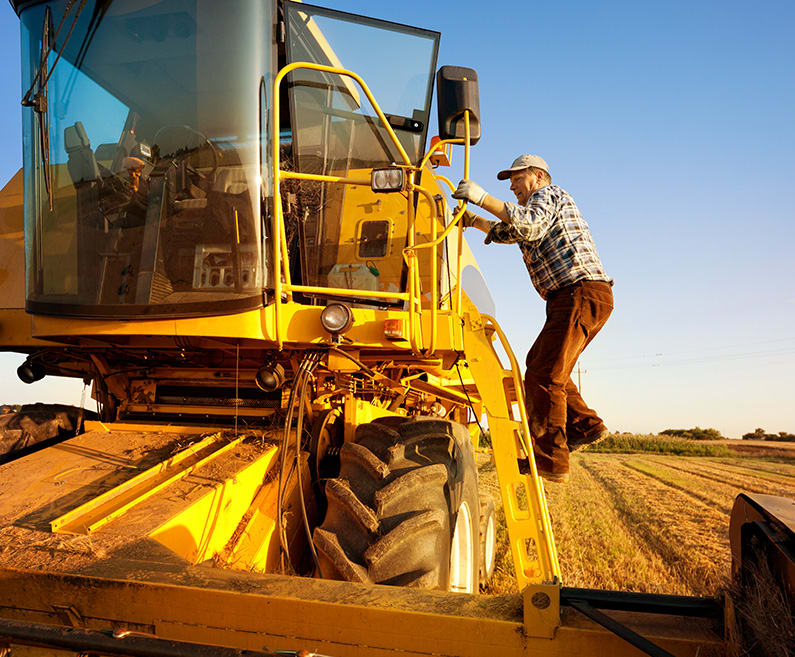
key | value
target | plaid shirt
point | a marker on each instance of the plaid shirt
(556, 244)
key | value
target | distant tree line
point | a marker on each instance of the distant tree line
(696, 433)
(761, 434)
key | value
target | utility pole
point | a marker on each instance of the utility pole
(580, 372)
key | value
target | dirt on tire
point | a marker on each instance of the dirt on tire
(33, 424)
(392, 509)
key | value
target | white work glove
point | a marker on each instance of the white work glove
(469, 190)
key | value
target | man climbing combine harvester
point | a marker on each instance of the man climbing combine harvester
(565, 268)
(286, 335)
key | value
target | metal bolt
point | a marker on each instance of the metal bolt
(540, 600)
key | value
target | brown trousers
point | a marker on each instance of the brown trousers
(575, 314)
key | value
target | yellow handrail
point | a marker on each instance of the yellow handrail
(436, 147)
(277, 225)
(447, 182)
(321, 178)
(460, 223)
(344, 291)
(460, 210)
(413, 294)
(434, 283)
(411, 261)
(413, 284)
(438, 240)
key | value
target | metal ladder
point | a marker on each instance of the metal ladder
(526, 515)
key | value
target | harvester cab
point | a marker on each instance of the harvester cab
(236, 233)
(158, 152)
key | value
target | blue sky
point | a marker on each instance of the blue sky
(672, 126)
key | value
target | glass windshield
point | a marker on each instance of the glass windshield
(155, 149)
(396, 62)
(350, 237)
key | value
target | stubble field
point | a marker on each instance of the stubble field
(648, 522)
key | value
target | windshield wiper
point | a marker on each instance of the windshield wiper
(100, 9)
(36, 95)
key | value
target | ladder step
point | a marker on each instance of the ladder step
(510, 389)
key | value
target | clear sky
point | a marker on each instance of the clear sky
(673, 126)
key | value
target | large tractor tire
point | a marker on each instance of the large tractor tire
(404, 509)
(38, 424)
(488, 539)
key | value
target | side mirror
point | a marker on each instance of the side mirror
(457, 91)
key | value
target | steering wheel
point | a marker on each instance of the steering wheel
(187, 152)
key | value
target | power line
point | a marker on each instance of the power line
(705, 359)
(698, 352)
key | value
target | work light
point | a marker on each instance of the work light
(391, 179)
(336, 318)
(30, 372)
(270, 377)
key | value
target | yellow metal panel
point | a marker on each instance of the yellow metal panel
(61, 477)
(203, 529)
(302, 327)
(110, 427)
(255, 544)
(245, 325)
(336, 618)
(541, 610)
(12, 244)
(257, 548)
(197, 409)
(34, 651)
(15, 328)
(113, 503)
(336, 362)
(358, 411)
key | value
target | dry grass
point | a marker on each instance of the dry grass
(597, 546)
(764, 624)
(645, 521)
(631, 443)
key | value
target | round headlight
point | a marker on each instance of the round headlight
(336, 318)
(30, 372)
(438, 410)
(270, 377)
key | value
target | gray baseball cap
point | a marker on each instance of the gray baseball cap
(523, 162)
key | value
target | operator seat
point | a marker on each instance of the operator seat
(82, 164)
(231, 180)
(85, 174)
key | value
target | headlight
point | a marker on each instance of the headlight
(438, 410)
(30, 372)
(336, 318)
(270, 377)
(392, 179)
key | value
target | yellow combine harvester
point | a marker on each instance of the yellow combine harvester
(248, 253)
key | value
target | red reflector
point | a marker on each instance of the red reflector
(440, 157)
(393, 329)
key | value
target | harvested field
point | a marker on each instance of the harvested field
(649, 522)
